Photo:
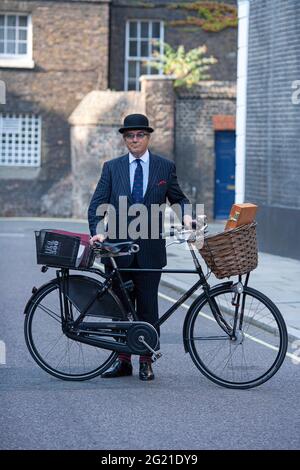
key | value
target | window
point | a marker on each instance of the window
(20, 140)
(142, 39)
(15, 41)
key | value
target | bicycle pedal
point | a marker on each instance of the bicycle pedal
(156, 356)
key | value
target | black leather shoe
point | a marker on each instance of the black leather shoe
(146, 372)
(118, 369)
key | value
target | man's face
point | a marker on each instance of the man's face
(137, 142)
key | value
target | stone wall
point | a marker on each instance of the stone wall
(95, 137)
(184, 126)
(195, 137)
(159, 98)
(70, 52)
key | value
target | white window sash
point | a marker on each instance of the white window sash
(18, 60)
(138, 58)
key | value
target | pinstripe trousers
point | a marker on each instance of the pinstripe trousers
(145, 294)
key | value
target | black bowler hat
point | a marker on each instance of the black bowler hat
(135, 122)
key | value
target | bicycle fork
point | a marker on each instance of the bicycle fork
(234, 331)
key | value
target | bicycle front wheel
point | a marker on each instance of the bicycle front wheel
(256, 352)
(53, 351)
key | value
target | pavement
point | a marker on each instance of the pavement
(277, 277)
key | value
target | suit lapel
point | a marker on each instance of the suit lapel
(154, 165)
(124, 177)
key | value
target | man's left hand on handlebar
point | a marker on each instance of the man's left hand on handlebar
(97, 238)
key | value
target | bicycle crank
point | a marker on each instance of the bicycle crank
(156, 355)
(143, 338)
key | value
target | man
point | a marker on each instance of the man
(142, 178)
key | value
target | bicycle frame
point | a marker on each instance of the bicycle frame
(202, 282)
(116, 274)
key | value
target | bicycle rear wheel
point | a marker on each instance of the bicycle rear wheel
(256, 353)
(51, 348)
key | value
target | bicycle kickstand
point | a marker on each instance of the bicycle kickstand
(156, 354)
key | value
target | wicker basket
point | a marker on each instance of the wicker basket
(232, 252)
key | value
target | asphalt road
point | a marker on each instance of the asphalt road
(180, 409)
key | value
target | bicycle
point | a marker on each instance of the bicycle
(234, 334)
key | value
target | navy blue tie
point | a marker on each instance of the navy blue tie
(137, 188)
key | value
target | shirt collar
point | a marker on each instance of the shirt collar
(144, 157)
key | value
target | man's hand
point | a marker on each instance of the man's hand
(97, 238)
(188, 221)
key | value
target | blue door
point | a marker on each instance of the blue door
(225, 173)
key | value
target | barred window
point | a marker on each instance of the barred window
(20, 140)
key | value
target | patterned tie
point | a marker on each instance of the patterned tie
(137, 188)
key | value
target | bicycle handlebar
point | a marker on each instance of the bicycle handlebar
(181, 230)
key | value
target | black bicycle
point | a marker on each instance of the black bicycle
(76, 324)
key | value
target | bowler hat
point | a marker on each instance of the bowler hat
(135, 121)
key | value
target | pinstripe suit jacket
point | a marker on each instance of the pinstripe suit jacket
(115, 182)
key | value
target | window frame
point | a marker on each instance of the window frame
(19, 60)
(31, 150)
(139, 58)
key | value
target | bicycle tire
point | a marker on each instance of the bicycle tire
(40, 329)
(236, 364)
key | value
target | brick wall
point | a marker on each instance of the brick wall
(70, 51)
(196, 113)
(222, 45)
(273, 123)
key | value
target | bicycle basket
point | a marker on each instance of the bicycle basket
(60, 249)
(231, 252)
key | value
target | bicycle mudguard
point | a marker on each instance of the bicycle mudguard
(35, 293)
(196, 301)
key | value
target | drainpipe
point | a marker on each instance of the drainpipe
(241, 104)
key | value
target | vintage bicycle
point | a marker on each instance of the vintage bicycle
(76, 324)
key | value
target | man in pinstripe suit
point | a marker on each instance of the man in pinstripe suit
(142, 178)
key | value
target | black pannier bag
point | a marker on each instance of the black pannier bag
(85, 294)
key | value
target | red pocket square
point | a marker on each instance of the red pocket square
(161, 182)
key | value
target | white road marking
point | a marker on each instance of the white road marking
(12, 235)
(295, 359)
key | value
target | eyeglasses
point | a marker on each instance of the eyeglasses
(138, 135)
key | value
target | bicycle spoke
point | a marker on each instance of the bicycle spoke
(52, 349)
(251, 356)
(51, 314)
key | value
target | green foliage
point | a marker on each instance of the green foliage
(188, 68)
(212, 16)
